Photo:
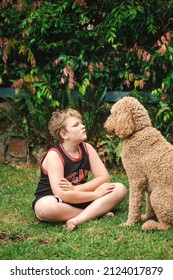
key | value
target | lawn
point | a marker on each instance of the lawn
(23, 237)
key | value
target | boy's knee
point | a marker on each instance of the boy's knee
(43, 208)
(121, 189)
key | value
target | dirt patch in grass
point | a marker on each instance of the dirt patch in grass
(5, 238)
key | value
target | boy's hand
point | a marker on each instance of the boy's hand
(65, 185)
(105, 189)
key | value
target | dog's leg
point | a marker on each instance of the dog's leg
(135, 204)
(149, 210)
(153, 225)
(162, 203)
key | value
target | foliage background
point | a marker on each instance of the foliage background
(70, 53)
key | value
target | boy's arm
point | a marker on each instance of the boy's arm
(55, 169)
(98, 170)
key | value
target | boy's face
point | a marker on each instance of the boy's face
(74, 130)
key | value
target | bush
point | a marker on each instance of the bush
(50, 49)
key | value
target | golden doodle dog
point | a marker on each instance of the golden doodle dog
(148, 161)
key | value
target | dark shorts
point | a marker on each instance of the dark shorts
(81, 205)
(77, 205)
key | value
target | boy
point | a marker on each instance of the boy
(64, 192)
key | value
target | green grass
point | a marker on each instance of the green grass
(23, 237)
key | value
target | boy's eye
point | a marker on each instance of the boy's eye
(76, 124)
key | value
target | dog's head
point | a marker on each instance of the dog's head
(128, 115)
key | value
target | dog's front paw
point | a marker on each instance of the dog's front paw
(144, 217)
(127, 224)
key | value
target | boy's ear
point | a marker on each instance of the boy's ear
(63, 134)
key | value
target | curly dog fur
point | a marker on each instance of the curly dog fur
(148, 160)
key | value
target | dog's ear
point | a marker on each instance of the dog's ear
(109, 125)
(124, 124)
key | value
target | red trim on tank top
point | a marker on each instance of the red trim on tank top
(43, 156)
(58, 152)
(41, 161)
(70, 157)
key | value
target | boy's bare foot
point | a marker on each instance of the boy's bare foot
(71, 224)
(109, 214)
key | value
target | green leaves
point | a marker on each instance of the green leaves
(90, 46)
(85, 31)
(83, 87)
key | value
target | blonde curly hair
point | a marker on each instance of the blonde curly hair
(58, 121)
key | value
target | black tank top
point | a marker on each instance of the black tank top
(75, 170)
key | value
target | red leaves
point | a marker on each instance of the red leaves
(81, 3)
(163, 42)
(33, 62)
(144, 55)
(130, 78)
(101, 66)
(139, 83)
(19, 5)
(28, 81)
(18, 84)
(68, 73)
(56, 62)
(36, 4)
(4, 3)
(168, 36)
(148, 74)
(91, 67)
(162, 49)
(127, 83)
(5, 57)
(3, 41)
